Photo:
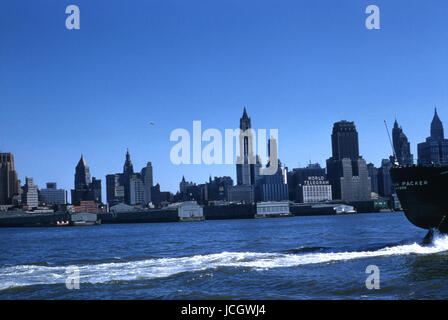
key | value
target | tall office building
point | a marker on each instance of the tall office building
(9, 183)
(136, 190)
(53, 195)
(130, 187)
(248, 165)
(114, 189)
(373, 174)
(85, 188)
(402, 147)
(82, 174)
(344, 141)
(30, 195)
(128, 172)
(346, 170)
(147, 181)
(435, 150)
(385, 185)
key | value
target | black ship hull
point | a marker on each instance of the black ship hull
(423, 195)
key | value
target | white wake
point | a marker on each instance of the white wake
(27, 275)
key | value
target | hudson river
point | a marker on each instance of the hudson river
(322, 257)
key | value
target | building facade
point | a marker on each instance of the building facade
(53, 195)
(298, 176)
(30, 195)
(9, 182)
(346, 170)
(85, 188)
(402, 147)
(315, 189)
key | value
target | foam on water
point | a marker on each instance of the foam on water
(27, 275)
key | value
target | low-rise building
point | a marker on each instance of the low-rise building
(273, 209)
(187, 211)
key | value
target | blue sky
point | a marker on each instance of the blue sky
(298, 66)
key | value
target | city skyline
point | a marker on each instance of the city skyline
(128, 163)
(298, 67)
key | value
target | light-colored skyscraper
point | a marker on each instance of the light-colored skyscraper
(30, 196)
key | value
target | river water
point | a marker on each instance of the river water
(321, 257)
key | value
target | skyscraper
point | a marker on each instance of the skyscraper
(346, 170)
(85, 189)
(130, 187)
(30, 196)
(82, 174)
(248, 164)
(9, 183)
(435, 150)
(344, 141)
(385, 186)
(402, 146)
(147, 181)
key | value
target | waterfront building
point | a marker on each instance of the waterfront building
(402, 147)
(30, 195)
(87, 206)
(53, 195)
(298, 176)
(315, 189)
(85, 188)
(187, 211)
(9, 182)
(346, 170)
(272, 209)
(435, 150)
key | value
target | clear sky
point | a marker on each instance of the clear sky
(298, 66)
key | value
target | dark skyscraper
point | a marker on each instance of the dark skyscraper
(346, 170)
(9, 184)
(82, 174)
(402, 146)
(435, 150)
(128, 168)
(344, 141)
(85, 189)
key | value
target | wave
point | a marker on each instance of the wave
(28, 275)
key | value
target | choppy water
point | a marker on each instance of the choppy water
(283, 258)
